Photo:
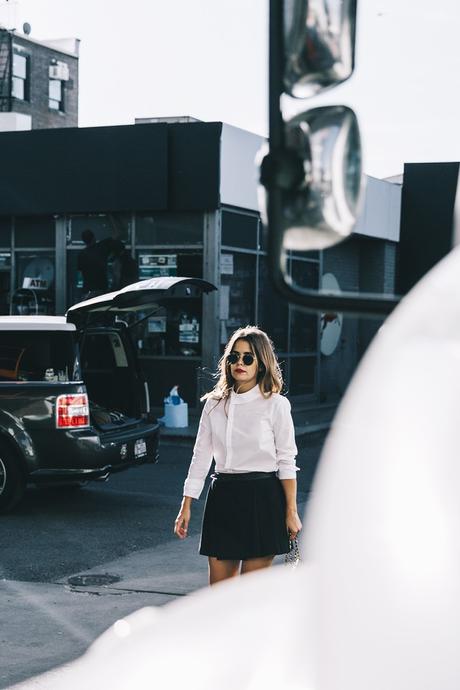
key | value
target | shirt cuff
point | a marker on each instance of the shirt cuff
(193, 487)
(288, 472)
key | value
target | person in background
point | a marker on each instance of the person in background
(124, 267)
(246, 426)
(92, 262)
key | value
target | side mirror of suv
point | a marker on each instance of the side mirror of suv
(311, 192)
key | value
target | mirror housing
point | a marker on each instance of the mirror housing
(319, 44)
(318, 177)
(312, 173)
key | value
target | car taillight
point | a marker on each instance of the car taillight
(72, 411)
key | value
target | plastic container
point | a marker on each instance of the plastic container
(176, 410)
(176, 415)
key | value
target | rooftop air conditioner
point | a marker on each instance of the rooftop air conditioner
(59, 71)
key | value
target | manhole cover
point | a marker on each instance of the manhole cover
(93, 580)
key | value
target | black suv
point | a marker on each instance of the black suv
(74, 405)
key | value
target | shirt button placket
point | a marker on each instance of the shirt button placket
(228, 437)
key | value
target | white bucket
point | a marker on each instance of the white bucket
(176, 416)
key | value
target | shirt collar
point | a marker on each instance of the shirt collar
(252, 394)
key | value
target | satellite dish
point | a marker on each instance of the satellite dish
(331, 323)
(26, 28)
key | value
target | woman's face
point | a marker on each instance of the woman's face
(245, 375)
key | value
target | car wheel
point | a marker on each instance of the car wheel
(12, 483)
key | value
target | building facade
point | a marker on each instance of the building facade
(183, 198)
(38, 82)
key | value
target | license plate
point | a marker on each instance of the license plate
(140, 448)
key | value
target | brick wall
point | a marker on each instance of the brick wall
(37, 106)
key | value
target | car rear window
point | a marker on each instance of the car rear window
(38, 356)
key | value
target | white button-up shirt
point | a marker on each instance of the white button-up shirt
(245, 433)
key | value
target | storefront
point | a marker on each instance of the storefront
(183, 200)
(171, 344)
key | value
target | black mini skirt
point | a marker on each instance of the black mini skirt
(244, 517)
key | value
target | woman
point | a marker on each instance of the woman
(246, 426)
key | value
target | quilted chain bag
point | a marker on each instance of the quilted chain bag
(292, 558)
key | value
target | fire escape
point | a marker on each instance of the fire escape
(6, 56)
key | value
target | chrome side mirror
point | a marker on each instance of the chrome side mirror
(311, 177)
(318, 178)
(319, 44)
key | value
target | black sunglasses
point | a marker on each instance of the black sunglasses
(234, 357)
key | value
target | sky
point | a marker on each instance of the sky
(209, 59)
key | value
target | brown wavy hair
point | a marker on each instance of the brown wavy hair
(269, 377)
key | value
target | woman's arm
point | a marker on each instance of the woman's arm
(286, 451)
(201, 458)
(183, 518)
(199, 468)
(293, 523)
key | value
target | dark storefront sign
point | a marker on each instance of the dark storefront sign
(194, 164)
(96, 169)
(83, 170)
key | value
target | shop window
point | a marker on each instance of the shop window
(34, 231)
(301, 376)
(5, 264)
(303, 267)
(169, 229)
(174, 331)
(303, 331)
(5, 277)
(190, 265)
(303, 327)
(5, 231)
(102, 226)
(238, 292)
(74, 279)
(20, 76)
(34, 292)
(239, 230)
(56, 95)
(273, 309)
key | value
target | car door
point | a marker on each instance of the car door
(123, 311)
(139, 298)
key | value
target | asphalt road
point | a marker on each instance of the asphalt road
(55, 532)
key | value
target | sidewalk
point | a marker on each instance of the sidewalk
(309, 418)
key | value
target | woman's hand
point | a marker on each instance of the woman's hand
(293, 523)
(183, 519)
